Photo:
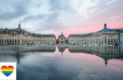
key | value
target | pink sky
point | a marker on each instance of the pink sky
(56, 16)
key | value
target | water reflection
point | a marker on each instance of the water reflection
(61, 49)
(105, 52)
(15, 53)
(65, 62)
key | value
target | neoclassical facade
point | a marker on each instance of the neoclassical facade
(62, 39)
(106, 36)
(19, 36)
(121, 37)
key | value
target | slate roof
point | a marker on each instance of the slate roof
(43, 35)
(105, 29)
(61, 35)
(22, 31)
(79, 35)
(17, 30)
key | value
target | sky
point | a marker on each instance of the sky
(56, 16)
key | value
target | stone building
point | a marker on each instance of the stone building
(106, 36)
(19, 36)
(14, 36)
(121, 38)
(44, 38)
(62, 39)
(121, 35)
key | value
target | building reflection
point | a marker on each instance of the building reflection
(105, 52)
(61, 49)
(15, 53)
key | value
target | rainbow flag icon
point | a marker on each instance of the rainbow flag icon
(7, 70)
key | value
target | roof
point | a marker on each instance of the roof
(80, 35)
(105, 29)
(61, 35)
(22, 31)
(119, 30)
(17, 30)
(43, 35)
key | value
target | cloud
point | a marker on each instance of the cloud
(58, 15)
(33, 17)
(88, 8)
(12, 9)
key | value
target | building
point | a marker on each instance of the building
(105, 36)
(44, 38)
(19, 36)
(121, 38)
(62, 39)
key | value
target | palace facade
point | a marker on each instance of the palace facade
(106, 36)
(19, 36)
(62, 39)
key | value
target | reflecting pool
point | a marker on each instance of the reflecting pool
(65, 62)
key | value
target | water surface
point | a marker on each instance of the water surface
(65, 63)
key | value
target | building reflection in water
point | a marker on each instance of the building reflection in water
(15, 53)
(104, 52)
(61, 49)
